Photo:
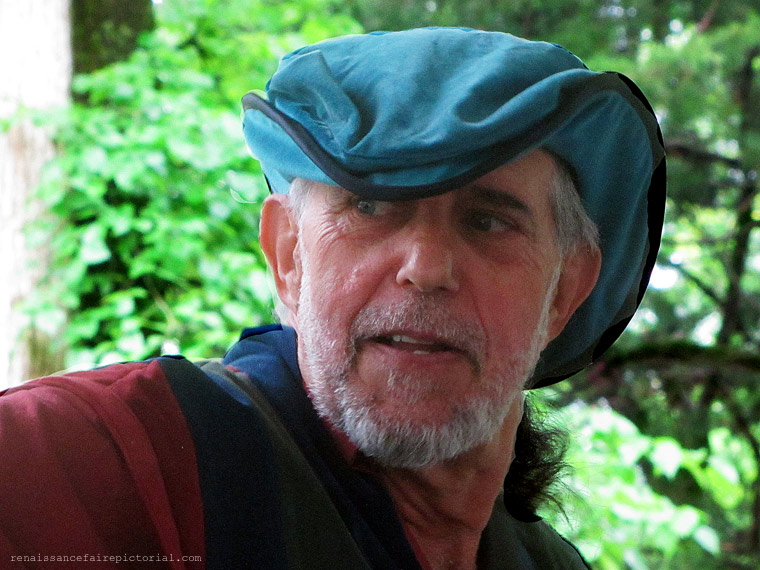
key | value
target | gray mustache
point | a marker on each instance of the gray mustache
(422, 315)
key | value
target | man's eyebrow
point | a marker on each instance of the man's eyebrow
(499, 198)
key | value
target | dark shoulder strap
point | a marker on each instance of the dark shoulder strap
(264, 508)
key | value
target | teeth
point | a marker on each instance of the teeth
(402, 338)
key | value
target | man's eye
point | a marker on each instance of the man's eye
(372, 207)
(366, 207)
(484, 222)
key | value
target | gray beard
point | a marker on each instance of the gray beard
(400, 442)
(405, 444)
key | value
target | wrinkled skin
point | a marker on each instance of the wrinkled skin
(419, 322)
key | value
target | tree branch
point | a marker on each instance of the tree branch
(706, 21)
(744, 81)
(688, 354)
(744, 427)
(738, 263)
(697, 281)
(693, 153)
(744, 222)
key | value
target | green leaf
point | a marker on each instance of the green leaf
(666, 456)
(725, 468)
(634, 560)
(95, 159)
(708, 539)
(245, 188)
(685, 521)
(93, 248)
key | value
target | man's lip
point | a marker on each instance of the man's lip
(415, 341)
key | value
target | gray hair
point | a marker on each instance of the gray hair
(298, 195)
(573, 226)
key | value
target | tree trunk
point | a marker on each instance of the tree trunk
(106, 31)
(35, 67)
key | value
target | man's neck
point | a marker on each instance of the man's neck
(445, 507)
(444, 511)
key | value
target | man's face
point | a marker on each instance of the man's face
(419, 322)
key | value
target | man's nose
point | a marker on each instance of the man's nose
(428, 260)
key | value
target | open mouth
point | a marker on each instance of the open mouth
(413, 344)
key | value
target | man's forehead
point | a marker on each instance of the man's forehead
(501, 198)
(530, 174)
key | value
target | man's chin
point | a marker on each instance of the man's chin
(411, 443)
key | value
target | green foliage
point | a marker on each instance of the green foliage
(155, 200)
(612, 514)
(703, 81)
(553, 21)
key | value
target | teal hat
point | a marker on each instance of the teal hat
(406, 115)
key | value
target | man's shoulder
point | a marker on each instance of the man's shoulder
(88, 462)
(85, 392)
(555, 550)
(530, 543)
(119, 405)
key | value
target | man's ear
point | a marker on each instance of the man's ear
(278, 236)
(580, 271)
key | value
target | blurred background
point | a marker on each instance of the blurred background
(129, 214)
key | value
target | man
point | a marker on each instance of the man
(457, 216)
